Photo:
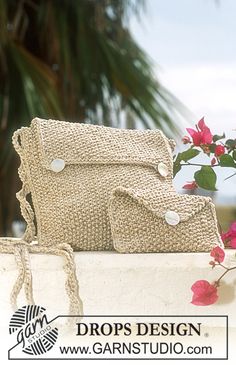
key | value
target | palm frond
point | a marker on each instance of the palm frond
(75, 60)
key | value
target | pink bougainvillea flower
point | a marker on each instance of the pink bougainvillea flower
(232, 229)
(186, 140)
(230, 235)
(202, 135)
(213, 161)
(233, 242)
(204, 293)
(218, 254)
(190, 185)
(219, 150)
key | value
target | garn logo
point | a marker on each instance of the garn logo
(34, 331)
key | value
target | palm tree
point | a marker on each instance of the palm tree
(72, 59)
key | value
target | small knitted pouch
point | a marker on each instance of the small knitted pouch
(153, 220)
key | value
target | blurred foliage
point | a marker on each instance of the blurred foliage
(226, 216)
(74, 60)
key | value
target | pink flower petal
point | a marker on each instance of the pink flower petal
(203, 300)
(190, 185)
(232, 229)
(207, 136)
(213, 161)
(201, 124)
(191, 131)
(233, 243)
(197, 139)
(204, 293)
(200, 286)
(218, 254)
(219, 150)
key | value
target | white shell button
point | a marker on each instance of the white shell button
(162, 169)
(172, 218)
(57, 165)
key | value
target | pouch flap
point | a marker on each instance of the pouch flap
(159, 202)
(78, 143)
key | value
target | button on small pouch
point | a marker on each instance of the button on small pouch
(154, 220)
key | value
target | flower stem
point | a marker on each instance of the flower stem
(196, 164)
(229, 177)
(225, 267)
(226, 272)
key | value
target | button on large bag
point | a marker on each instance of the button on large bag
(71, 170)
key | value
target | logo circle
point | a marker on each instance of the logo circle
(35, 333)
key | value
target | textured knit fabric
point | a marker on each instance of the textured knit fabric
(71, 206)
(112, 188)
(138, 221)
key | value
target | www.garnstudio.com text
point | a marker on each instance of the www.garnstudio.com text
(135, 348)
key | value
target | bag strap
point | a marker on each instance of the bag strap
(26, 209)
(21, 249)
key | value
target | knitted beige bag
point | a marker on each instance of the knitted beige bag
(70, 170)
(153, 220)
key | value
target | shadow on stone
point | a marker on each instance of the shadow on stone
(226, 293)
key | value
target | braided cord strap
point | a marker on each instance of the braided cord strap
(21, 250)
(71, 284)
(26, 209)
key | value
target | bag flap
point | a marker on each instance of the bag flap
(160, 202)
(78, 143)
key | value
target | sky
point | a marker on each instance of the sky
(193, 46)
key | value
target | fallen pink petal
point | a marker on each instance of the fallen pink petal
(204, 293)
(213, 161)
(190, 185)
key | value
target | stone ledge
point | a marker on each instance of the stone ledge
(113, 283)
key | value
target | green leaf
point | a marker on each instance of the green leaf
(188, 155)
(206, 178)
(231, 143)
(212, 147)
(178, 158)
(217, 137)
(234, 155)
(176, 168)
(227, 161)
